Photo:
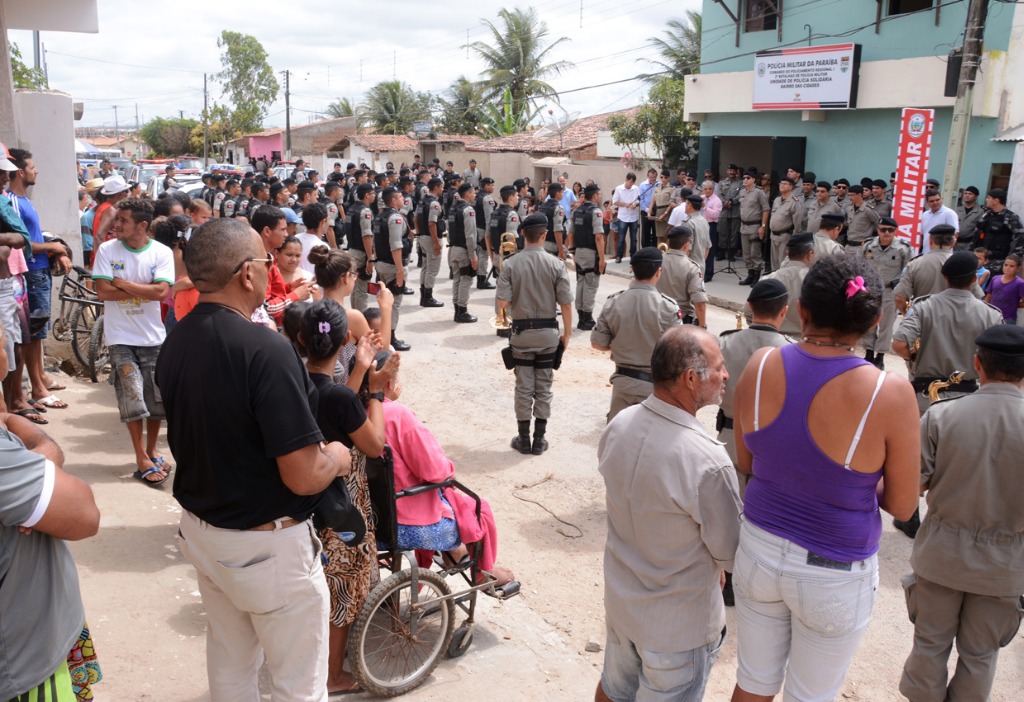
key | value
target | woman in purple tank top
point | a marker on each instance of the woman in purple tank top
(829, 440)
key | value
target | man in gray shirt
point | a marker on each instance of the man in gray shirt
(673, 527)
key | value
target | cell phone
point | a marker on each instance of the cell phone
(373, 288)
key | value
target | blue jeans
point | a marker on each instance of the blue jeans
(39, 285)
(632, 673)
(631, 229)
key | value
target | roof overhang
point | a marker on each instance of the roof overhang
(551, 161)
(1016, 134)
(52, 15)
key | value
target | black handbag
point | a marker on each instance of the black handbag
(335, 510)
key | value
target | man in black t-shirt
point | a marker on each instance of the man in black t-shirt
(251, 463)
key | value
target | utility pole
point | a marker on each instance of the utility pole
(206, 128)
(977, 12)
(137, 137)
(117, 138)
(287, 116)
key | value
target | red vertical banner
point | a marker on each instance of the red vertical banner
(912, 172)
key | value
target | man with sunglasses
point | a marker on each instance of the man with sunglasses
(889, 256)
(821, 205)
(133, 274)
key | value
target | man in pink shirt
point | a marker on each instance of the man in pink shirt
(712, 211)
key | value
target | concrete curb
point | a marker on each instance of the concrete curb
(716, 300)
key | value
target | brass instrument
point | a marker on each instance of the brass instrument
(509, 246)
(938, 386)
(739, 320)
(663, 247)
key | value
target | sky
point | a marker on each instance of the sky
(155, 58)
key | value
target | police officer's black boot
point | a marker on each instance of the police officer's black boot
(397, 344)
(427, 298)
(910, 526)
(869, 355)
(462, 316)
(750, 279)
(521, 443)
(540, 444)
(483, 284)
(879, 361)
(586, 322)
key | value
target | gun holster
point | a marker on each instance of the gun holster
(508, 358)
(559, 352)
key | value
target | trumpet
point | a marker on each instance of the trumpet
(739, 320)
(509, 246)
(663, 247)
(938, 386)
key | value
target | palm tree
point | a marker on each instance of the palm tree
(342, 107)
(392, 107)
(516, 55)
(508, 118)
(679, 50)
(461, 106)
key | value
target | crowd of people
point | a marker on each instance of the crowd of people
(242, 318)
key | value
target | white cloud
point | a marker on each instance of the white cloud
(334, 51)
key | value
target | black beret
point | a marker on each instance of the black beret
(834, 220)
(307, 185)
(942, 230)
(856, 189)
(289, 181)
(878, 183)
(750, 173)
(275, 189)
(485, 181)
(787, 179)
(231, 182)
(406, 180)
(888, 222)
(810, 177)
(866, 182)
(519, 183)
(534, 220)
(648, 254)
(507, 190)
(555, 187)
(733, 167)
(299, 162)
(960, 264)
(362, 189)
(767, 289)
(696, 200)
(465, 188)
(972, 189)
(843, 181)
(932, 181)
(691, 174)
(350, 165)
(591, 189)
(1006, 339)
(800, 239)
(219, 177)
(680, 230)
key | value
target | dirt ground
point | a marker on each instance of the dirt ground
(148, 622)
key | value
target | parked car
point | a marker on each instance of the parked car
(155, 185)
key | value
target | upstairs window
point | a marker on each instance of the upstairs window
(902, 7)
(761, 15)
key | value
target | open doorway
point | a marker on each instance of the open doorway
(768, 154)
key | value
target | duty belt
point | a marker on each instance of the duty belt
(722, 422)
(634, 373)
(921, 385)
(855, 243)
(521, 325)
(780, 232)
(756, 221)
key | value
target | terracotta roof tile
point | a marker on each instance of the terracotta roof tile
(580, 134)
(384, 142)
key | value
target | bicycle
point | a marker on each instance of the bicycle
(80, 319)
(72, 291)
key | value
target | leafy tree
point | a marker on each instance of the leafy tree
(679, 50)
(247, 78)
(342, 107)
(25, 77)
(515, 57)
(461, 107)
(511, 118)
(168, 137)
(659, 121)
(392, 106)
(220, 129)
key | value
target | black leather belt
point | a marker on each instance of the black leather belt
(634, 373)
(921, 385)
(722, 422)
(521, 325)
(782, 232)
(756, 221)
(855, 243)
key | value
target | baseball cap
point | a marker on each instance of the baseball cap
(113, 185)
(5, 160)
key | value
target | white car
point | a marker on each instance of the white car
(155, 186)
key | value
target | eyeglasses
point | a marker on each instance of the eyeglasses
(887, 230)
(268, 262)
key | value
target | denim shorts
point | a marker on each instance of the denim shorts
(39, 285)
(9, 319)
(132, 371)
(632, 673)
(800, 617)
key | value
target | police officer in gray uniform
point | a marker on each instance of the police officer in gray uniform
(505, 218)
(768, 301)
(683, 280)
(389, 231)
(430, 228)
(587, 233)
(945, 324)
(729, 220)
(630, 324)
(968, 213)
(924, 273)
(821, 205)
(862, 221)
(483, 206)
(554, 242)
(462, 251)
(889, 256)
(786, 216)
(799, 259)
(825, 243)
(967, 577)
(360, 242)
(531, 285)
(754, 211)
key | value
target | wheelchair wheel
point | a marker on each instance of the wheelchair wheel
(401, 633)
(461, 640)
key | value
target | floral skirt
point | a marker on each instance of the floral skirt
(84, 668)
(441, 536)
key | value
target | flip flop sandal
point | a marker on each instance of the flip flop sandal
(161, 463)
(38, 407)
(142, 477)
(56, 386)
(52, 402)
(31, 415)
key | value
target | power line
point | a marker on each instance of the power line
(119, 63)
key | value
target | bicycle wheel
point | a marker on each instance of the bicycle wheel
(82, 322)
(401, 633)
(98, 354)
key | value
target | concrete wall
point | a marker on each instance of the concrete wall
(45, 124)
(264, 146)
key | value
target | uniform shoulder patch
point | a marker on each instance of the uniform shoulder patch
(614, 294)
(367, 214)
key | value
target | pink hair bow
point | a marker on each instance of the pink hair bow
(854, 286)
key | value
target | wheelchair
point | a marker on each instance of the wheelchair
(408, 621)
